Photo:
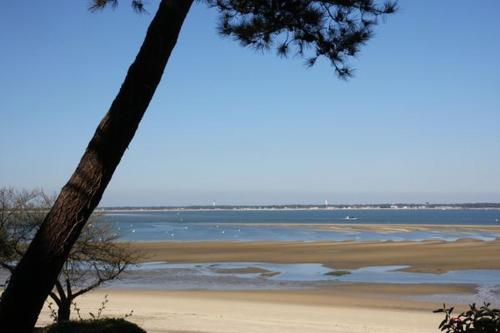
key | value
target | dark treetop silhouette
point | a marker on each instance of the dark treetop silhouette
(333, 29)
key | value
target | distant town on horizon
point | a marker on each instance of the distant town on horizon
(439, 206)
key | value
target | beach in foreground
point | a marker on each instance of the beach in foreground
(342, 309)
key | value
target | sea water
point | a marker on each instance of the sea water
(296, 225)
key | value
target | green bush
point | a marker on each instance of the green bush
(474, 320)
(106, 325)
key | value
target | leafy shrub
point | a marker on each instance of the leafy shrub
(107, 325)
(474, 320)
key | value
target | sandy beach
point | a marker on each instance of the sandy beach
(349, 308)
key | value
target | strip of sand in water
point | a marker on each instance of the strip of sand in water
(423, 256)
(349, 227)
(406, 227)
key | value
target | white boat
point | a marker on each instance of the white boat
(350, 218)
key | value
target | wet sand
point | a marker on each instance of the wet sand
(424, 256)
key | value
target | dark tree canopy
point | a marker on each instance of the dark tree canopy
(137, 5)
(332, 29)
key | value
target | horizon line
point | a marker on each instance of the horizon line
(394, 205)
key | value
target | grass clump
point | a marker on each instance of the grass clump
(105, 325)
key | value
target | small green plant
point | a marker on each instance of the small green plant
(99, 314)
(53, 312)
(77, 311)
(475, 320)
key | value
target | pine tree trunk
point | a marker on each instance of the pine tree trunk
(37, 271)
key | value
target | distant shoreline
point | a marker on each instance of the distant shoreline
(493, 206)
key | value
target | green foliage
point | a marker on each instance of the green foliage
(332, 29)
(107, 325)
(137, 5)
(475, 320)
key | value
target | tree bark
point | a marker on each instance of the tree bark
(36, 273)
(64, 311)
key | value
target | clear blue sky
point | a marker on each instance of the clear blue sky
(420, 121)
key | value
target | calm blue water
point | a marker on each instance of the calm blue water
(274, 225)
(365, 216)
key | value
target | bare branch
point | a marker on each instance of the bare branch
(55, 298)
(94, 259)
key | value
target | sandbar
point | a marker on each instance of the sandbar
(422, 256)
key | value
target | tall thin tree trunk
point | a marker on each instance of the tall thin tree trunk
(37, 272)
(64, 311)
